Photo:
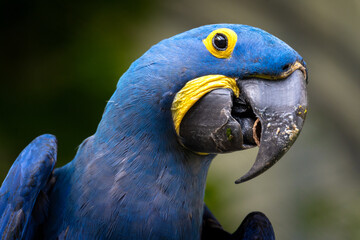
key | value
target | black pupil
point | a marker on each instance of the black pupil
(220, 41)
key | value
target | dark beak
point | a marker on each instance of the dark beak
(268, 113)
(281, 107)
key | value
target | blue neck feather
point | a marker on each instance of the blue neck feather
(133, 173)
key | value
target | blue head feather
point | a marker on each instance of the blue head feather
(150, 84)
(132, 179)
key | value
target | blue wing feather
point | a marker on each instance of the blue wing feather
(255, 226)
(27, 177)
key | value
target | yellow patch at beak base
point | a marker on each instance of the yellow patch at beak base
(196, 89)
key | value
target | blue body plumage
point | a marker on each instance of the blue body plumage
(132, 179)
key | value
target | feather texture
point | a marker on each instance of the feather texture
(132, 179)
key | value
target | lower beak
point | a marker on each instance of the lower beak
(281, 107)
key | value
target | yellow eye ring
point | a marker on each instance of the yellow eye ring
(221, 42)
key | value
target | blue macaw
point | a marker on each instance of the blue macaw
(214, 89)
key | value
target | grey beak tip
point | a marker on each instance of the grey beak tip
(240, 180)
(253, 172)
(248, 176)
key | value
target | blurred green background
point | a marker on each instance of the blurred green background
(60, 62)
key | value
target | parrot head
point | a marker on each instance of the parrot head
(227, 87)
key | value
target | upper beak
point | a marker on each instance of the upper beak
(281, 107)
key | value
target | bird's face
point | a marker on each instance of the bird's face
(236, 87)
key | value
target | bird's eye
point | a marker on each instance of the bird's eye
(221, 42)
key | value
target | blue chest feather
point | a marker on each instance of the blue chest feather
(139, 190)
